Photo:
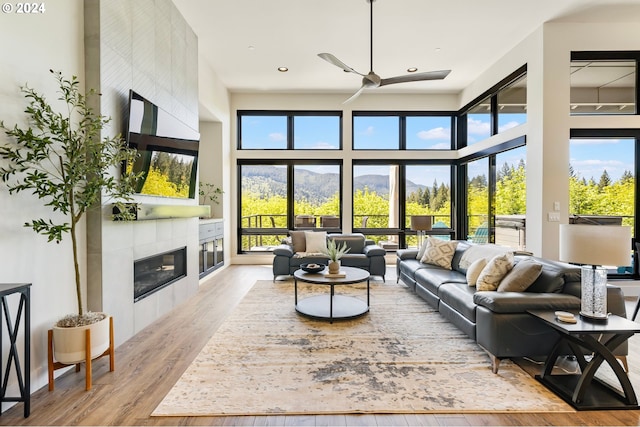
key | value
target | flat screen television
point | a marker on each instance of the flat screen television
(167, 148)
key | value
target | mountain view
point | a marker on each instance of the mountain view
(314, 187)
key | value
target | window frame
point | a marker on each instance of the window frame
(290, 166)
(621, 133)
(611, 55)
(402, 127)
(290, 116)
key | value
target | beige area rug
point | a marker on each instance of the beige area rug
(401, 357)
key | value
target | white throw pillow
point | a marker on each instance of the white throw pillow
(494, 272)
(316, 241)
(439, 252)
(474, 270)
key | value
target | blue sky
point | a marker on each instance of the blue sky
(590, 157)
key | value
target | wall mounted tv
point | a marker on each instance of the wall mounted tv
(167, 148)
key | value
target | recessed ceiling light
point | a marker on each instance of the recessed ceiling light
(283, 69)
(250, 47)
(412, 69)
(437, 49)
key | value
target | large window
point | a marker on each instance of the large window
(500, 108)
(428, 192)
(496, 197)
(283, 195)
(510, 199)
(312, 130)
(602, 187)
(512, 104)
(478, 200)
(604, 82)
(376, 132)
(402, 131)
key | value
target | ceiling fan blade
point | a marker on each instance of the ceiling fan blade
(355, 95)
(429, 75)
(335, 61)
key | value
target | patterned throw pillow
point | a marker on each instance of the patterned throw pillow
(439, 252)
(494, 271)
(474, 271)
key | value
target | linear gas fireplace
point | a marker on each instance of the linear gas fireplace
(158, 271)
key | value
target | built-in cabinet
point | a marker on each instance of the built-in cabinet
(211, 255)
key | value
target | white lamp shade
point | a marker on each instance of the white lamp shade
(595, 244)
(421, 222)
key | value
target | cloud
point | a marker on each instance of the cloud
(441, 146)
(435, 133)
(477, 127)
(277, 137)
(370, 130)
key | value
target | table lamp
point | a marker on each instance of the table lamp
(420, 224)
(595, 245)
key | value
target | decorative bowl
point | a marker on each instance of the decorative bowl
(312, 267)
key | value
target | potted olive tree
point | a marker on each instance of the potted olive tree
(63, 160)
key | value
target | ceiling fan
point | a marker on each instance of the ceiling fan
(371, 79)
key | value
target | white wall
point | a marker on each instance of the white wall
(33, 44)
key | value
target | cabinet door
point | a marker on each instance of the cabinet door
(219, 251)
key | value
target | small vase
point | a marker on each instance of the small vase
(334, 267)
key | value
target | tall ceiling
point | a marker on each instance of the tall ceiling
(245, 41)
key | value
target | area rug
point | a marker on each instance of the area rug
(401, 357)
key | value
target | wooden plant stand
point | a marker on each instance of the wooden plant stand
(53, 366)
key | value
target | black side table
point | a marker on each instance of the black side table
(584, 391)
(23, 313)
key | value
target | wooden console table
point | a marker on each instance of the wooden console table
(24, 313)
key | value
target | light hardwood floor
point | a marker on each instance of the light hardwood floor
(150, 363)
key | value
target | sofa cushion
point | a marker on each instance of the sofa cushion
(316, 241)
(459, 296)
(439, 252)
(431, 277)
(521, 276)
(520, 302)
(494, 271)
(355, 241)
(298, 241)
(553, 276)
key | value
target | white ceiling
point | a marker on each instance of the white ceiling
(245, 41)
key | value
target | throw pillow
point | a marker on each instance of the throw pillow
(439, 252)
(474, 271)
(521, 276)
(316, 241)
(495, 270)
(298, 241)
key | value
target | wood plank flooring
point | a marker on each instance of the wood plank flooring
(149, 364)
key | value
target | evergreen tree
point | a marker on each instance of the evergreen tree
(605, 180)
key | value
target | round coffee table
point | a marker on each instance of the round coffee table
(332, 306)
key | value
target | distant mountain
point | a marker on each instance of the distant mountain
(315, 187)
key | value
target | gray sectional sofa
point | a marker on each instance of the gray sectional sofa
(498, 321)
(363, 253)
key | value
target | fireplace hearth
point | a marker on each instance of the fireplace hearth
(158, 271)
